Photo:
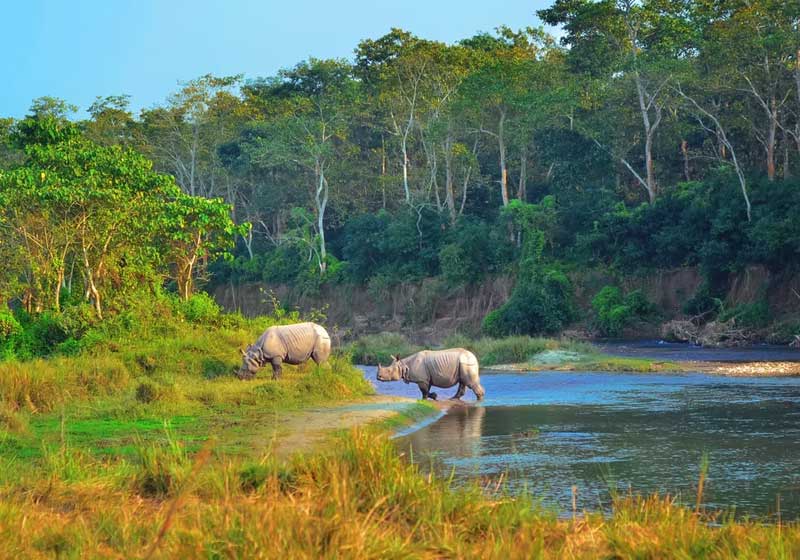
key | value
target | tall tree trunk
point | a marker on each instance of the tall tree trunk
(522, 188)
(466, 178)
(685, 154)
(645, 102)
(785, 141)
(450, 201)
(501, 145)
(383, 172)
(771, 137)
(321, 200)
(406, 189)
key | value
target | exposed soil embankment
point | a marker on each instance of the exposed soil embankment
(429, 310)
(424, 311)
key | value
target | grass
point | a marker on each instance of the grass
(527, 353)
(93, 465)
(359, 500)
(373, 349)
(379, 348)
(106, 401)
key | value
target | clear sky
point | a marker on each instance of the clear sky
(80, 49)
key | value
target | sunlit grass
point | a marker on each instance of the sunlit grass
(358, 500)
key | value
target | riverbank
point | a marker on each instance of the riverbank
(150, 448)
(359, 499)
(522, 353)
(601, 362)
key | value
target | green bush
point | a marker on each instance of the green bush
(214, 367)
(379, 348)
(754, 315)
(613, 312)
(10, 330)
(541, 303)
(200, 308)
(703, 303)
(42, 335)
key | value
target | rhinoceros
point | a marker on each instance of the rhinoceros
(436, 368)
(292, 344)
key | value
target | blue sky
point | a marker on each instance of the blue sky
(80, 49)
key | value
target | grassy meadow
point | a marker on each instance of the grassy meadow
(144, 445)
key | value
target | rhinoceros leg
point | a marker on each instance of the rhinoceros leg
(426, 393)
(478, 390)
(277, 370)
(459, 393)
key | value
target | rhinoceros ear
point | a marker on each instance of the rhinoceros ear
(396, 357)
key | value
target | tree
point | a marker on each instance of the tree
(194, 232)
(111, 121)
(183, 138)
(622, 42)
(312, 132)
(101, 212)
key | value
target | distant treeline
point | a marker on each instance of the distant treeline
(651, 135)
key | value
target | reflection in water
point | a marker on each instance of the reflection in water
(457, 434)
(642, 432)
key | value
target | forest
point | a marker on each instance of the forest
(647, 136)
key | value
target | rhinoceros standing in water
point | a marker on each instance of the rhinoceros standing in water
(436, 368)
(293, 344)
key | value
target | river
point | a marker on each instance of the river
(601, 432)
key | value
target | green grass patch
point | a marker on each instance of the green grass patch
(373, 349)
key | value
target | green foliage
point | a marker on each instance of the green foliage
(76, 208)
(541, 303)
(10, 330)
(163, 466)
(613, 312)
(200, 308)
(373, 349)
(755, 315)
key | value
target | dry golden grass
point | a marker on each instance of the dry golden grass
(359, 501)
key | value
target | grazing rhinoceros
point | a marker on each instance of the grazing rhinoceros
(436, 368)
(293, 344)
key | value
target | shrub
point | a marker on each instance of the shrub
(703, 302)
(214, 367)
(42, 335)
(147, 392)
(10, 330)
(754, 315)
(540, 303)
(379, 348)
(613, 312)
(162, 467)
(200, 308)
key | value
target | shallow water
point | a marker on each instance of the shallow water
(548, 431)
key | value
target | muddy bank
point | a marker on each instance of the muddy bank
(428, 311)
(308, 430)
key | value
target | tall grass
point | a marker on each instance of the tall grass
(184, 371)
(379, 348)
(373, 349)
(360, 500)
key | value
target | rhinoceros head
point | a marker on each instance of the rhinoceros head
(251, 363)
(392, 372)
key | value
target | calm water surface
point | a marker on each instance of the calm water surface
(599, 431)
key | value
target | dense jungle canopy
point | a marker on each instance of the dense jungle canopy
(652, 134)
